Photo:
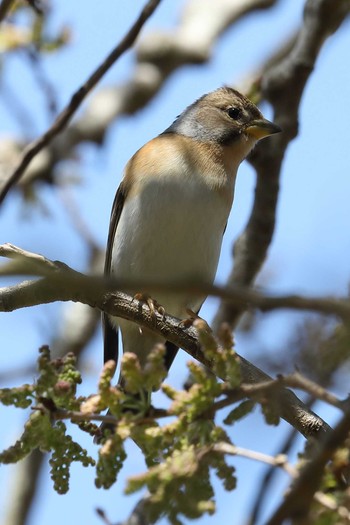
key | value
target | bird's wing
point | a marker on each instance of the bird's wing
(110, 333)
(142, 160)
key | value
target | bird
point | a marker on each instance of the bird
(171, 209)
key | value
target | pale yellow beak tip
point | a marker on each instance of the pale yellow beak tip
(262, 128)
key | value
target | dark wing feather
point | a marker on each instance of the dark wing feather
(170, 354)
(110, 334)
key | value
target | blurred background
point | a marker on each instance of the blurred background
(64, 214)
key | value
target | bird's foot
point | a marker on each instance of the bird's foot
(192, 317)
(153, 305)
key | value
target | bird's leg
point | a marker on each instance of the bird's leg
(192, 317)
(153, 305)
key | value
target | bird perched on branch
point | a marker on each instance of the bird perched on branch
(171, 209)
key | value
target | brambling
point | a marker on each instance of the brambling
(171, 209)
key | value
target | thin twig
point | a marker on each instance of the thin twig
(37, 6)
(232, 396)
(282, 84)
(158, 55)
(67, 113)
(5, 7)
(101, 513)
(298, 500)
(44, 83)
(76, 216)
(29, 263)
(60, 414)
(262, 493)
(277, 461)
(297, 380)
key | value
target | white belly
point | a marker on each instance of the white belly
(170, 234)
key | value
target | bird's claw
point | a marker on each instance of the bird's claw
(192, 317)
(153, 305)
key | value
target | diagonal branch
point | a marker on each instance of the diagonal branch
(298, 500)
(5, 7)
(282, 85)
(23, 489)
(65, 116)
(28, 263)
(65, 284)
(158, 55)
(75, 332)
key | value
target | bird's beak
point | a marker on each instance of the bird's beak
(261, 128)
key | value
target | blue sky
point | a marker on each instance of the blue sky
(311, 246)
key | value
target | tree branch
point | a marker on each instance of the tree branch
(298, 500)
(5, 7)
(78, 326)
(265, 483)
(159, 54)
(282, 84)
(23, 488)
(29, 263)
(280, 460)
(65, 116)
(65, 284)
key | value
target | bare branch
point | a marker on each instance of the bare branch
(65, 116)
(23, 487)
(5, 7)
(36, 6)
(280, 460)
(28, 263)
(282, 85)
(159, 54)
(78, 327)
(45, 85)
(298, 500)
(65, 284)
(262, 492)
(297, 380)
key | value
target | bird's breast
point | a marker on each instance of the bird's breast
(170, 231)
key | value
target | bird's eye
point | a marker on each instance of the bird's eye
(234, 113)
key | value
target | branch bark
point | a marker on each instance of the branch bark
(61, 283)
(65, 116)
(77, 329)
(28, 263)
(282, 85)
(296, 504)
(5, 7)
(158, 55)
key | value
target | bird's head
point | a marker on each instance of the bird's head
(225, 117)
